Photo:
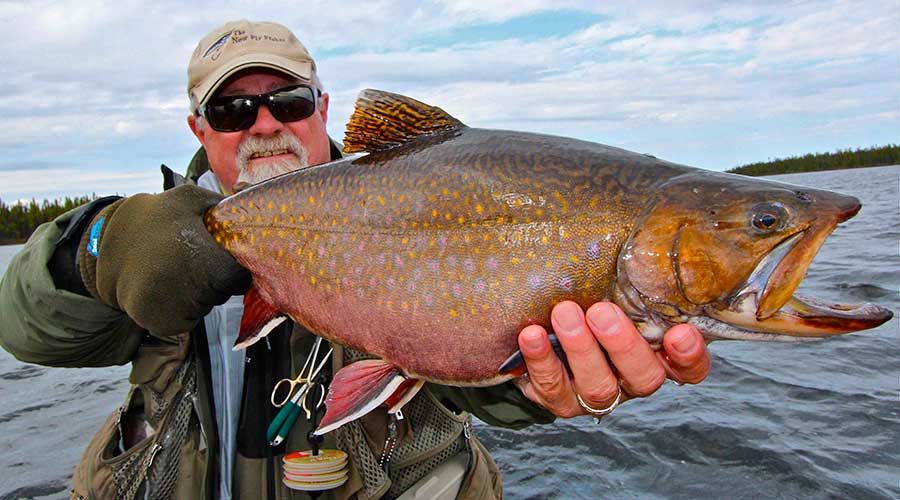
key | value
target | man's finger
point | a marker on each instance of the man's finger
(594, 381)
(546, 373)
(638, 367)
(686, 354)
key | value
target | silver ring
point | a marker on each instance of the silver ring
(604, 411)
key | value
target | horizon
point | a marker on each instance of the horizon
(95, 101)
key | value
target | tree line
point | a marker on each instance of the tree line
(843, 158)
(19, 220)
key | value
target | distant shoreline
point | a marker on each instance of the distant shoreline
(876, 156)
(11, 242)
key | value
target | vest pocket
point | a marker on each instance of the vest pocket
(137, 451)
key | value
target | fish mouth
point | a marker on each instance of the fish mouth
(766, 303)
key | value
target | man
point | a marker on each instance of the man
(139, 280)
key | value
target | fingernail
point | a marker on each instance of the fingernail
(684, 341)
(603, 319)
(567, 317)
(533, 340)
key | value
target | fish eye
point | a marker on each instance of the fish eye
(768, 217)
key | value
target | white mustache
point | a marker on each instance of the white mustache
(261, 147)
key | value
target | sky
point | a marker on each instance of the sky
(93, 94)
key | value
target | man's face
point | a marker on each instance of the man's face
(269, 147)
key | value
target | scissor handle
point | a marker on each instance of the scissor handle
(291, 384)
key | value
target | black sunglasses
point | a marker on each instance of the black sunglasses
(238, 112)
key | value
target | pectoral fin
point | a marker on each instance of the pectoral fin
(259, 319)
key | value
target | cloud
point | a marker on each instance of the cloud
(92, 85)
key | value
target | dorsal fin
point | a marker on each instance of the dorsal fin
(383, 120)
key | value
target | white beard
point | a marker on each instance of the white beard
(249, 174)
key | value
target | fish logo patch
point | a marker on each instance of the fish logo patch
(219, 43)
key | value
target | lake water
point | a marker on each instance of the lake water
(813, 420)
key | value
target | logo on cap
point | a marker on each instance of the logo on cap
(219, 43)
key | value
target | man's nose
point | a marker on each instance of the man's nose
(265, 123)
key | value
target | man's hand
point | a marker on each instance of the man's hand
(631, 363)
(151, 256)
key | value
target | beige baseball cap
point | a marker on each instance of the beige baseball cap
(244, 44)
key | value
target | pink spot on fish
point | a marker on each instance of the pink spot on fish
(358, 270)
(398, 261)
(321, 251)
(372, 282)
(428, 300)
(567, 283)
(451, 260)
(491, 263)
(332, 263)
(480, 286)
(443, 241)
(433, 265)
(360, 247)
(593, 250)
(417, 274)
(456, 289)
(535, 281)
(469, 265)
(391, 283)
(381, 259)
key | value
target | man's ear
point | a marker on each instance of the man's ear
(323, 108)
(197, 129)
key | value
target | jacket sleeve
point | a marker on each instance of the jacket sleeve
(502, 405)
(45, 324)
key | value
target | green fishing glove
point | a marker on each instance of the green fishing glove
(151, 256)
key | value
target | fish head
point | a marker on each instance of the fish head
(727, 252)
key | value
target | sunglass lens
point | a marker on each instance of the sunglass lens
(290, 105)
(229, 114)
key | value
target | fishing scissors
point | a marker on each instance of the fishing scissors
(304, 379)
(284, 420)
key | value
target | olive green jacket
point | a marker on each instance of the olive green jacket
(46, 322)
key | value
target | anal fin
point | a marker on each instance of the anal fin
(360, 387)
(515, 364)
(259, 319)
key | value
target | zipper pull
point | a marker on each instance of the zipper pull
(389, 444)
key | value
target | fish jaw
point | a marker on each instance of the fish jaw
(698, 282)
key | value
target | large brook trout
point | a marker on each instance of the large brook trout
(437, 247)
